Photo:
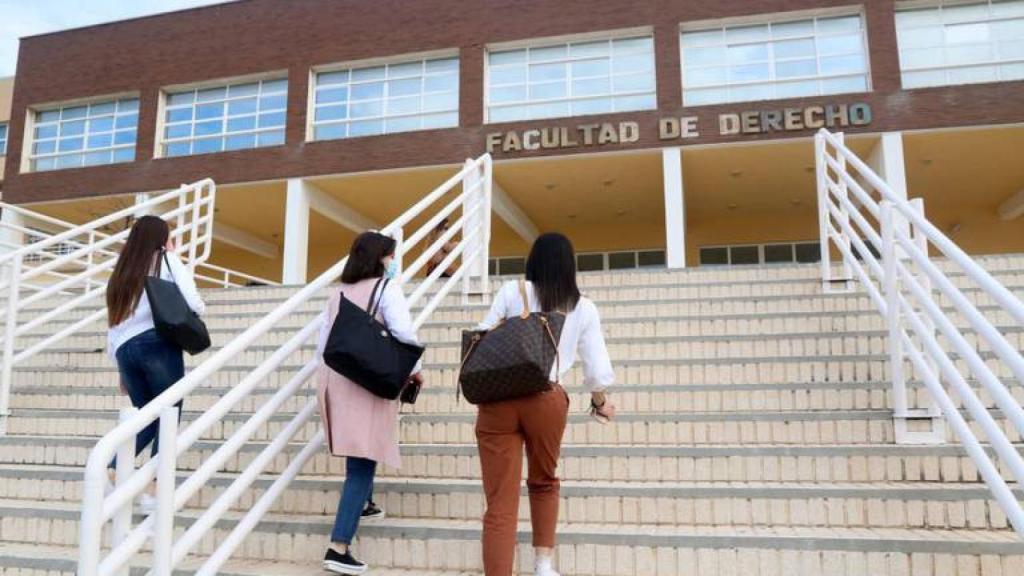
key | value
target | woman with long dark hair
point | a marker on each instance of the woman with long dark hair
(147, 363)
(538, 421)
(358, 425)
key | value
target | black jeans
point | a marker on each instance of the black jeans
(149, 365)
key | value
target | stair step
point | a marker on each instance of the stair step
(454, 544)
(840, 504)
(720, 462)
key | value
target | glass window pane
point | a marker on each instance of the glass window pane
(49, 131)
(794, 48)
(589, 262)
(749, 72)
(778, 253)
(276, 102)
(178, 149)
(127, 121)
(705, 56)
(924, 78)
(833, 65)
(972, 75)
(633, 63)
(239, 107)
(747, 33)
(505, 94)
(633, 83)
(405, 86)
(362, 74)
(179, 131)
(403, 124)
(444, 120)
(330, 113)
(74, 112)
(508, 75)
(640, 44)
(593, 106)
(744, 255)
(72, 128)
(790, 29)
(748, 53)
(968, 54)
(844, 85)
(548, 91)
(240, 141)
(366, 109)
(179, 114)
(207, 145)
(124, 137)
(207, 111)
(368, 91)
(703, 38)
(627, 103)
(366, 128)
(651, 258)
(621, 260)
(441, 83)
(844, 44)
(181, 98)
(808, 252)
(406, 105)
(589, 68)
(330, 131)
(241, 124)
(210, 127)
(211, 94)
(270, 138)
(48, 116)
(97, 158)
(405, 69)
(442, 65)
(547, 72)
(840, 24)
(100, 141)
(332, 95)
(507, 57)
(1009, 72)
(271, 120)
(331, 78)
(548, 53)
(274, 86)
(795, 68)
(250, 89)
(102, 108)
(713, 256)
(441, 101)
(796, 89)
(592, 87)
(587, 49)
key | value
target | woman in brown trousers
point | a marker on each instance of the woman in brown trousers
(537, 421)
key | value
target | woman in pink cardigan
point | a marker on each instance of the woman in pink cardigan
(359, 425)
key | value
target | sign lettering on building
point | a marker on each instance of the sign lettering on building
(741, 123)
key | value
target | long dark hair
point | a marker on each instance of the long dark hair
(364, 258)
(125, 287)
(551, 268)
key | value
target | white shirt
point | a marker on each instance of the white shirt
(581, 334)
(394, 310)
(141, 319)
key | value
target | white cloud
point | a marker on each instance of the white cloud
(19, 18)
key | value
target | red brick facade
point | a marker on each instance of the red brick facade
(257, 36)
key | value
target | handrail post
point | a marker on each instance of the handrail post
(163, 526)
(125, 467)
(399, 236)
(844, 193)
(821, 168)
(921, 240)
(891, 289)
(10, 329)
(88, 260)
(485, 249)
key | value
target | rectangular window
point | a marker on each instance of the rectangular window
(571, 79)
(220, 118)
(961, 44)
(775, 253)
(772, 60)
(80, 135)
(3, 138)
(388, 98)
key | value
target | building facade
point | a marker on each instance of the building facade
(651, 132)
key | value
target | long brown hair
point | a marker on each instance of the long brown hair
(551, 268)
(126, 284)
(364, 258)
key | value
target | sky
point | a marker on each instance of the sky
(29, 17)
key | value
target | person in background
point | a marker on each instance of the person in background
(538, 421)
(443, 253)
(148, 365)
(358, 425)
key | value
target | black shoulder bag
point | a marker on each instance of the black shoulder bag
(174, 320)
(363, 350)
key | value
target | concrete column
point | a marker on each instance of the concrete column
(296, 232)
(675, 208)
(886, 160)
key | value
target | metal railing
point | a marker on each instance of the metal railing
(883, 241)
(473, 229)
(37, 271)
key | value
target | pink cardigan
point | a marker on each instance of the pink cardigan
(357, 423)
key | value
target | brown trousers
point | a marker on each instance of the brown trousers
(502, 428)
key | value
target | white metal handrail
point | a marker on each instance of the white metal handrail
(473, 228)
(883, 240)
(79, 275)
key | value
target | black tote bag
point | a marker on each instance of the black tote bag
(363, 350)
(174, 320)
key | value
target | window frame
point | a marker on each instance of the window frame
(6, 126)
(159, 140)
(939, 6)
(373, 62)
(778, 18)
(29, 128)
(549, 41)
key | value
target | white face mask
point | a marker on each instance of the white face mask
(391, 269)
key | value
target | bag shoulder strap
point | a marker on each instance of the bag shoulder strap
(526, 299)
(372, 306)
(166, 261)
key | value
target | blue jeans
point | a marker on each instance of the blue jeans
(148, 365)
(359, 474)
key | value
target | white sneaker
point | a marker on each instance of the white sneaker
(543, 568)
(147, 504)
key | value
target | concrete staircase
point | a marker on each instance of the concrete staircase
(755, 438)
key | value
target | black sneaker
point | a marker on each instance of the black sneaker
(372, 511)
(342, 563)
